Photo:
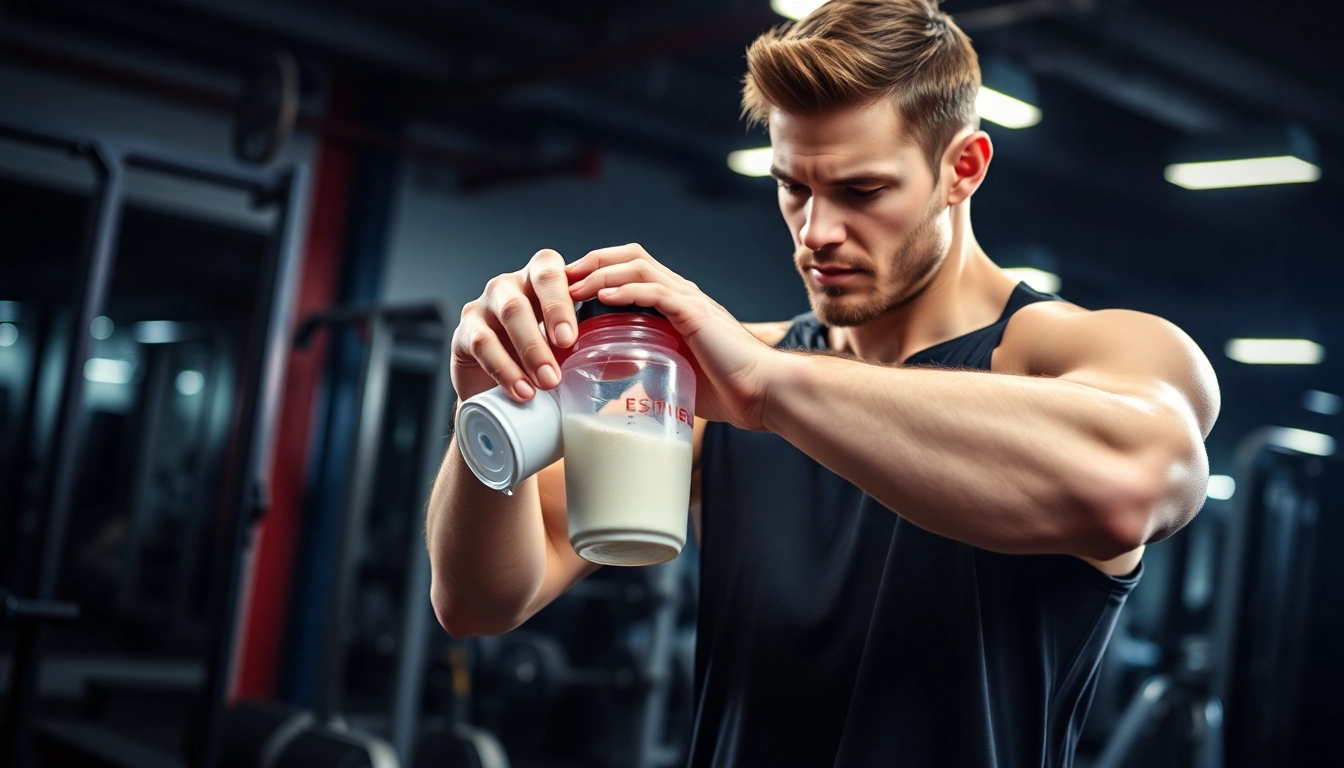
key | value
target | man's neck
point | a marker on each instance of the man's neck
(967, 293)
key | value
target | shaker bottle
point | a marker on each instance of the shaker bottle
(627, 397)
(622, 417)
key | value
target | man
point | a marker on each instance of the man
(920, 506)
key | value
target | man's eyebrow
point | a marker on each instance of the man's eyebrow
(863, 178)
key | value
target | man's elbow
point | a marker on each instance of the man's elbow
(1144, 505)
(460, 619)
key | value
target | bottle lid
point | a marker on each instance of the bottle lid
(591, 308)
(505, 442)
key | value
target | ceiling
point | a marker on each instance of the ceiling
(1123, 87)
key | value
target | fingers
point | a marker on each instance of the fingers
(512, 310)
(604, 257)
(672, 304)
(476, 343)
(550, 284)
(637, 271)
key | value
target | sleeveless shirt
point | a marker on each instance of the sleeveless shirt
(833, 632)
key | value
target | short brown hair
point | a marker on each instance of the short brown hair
(853, 52)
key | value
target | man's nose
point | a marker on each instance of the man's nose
(824, 227)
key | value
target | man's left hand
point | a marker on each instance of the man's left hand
(731, 385)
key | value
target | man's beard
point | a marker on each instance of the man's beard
(914, 263)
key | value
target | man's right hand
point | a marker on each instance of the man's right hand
(499, 339)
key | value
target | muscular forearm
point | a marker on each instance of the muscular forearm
(1008, 463)
(488, 550)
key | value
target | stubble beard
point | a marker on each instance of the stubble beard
(914, 264)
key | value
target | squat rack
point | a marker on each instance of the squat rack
(244, 496)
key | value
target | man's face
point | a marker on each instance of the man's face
(869, 227)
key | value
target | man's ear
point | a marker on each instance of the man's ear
(965, 163)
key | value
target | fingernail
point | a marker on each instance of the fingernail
(547, 377)
(524, 390)
(564, 334)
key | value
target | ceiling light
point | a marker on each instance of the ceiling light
(9, 311)
(107, 371)
(795, 9)
(1221, 487)
(1302, 441)
(1005, 110)
(189, 382)
(1251, 172)
(9, 333)
(1275, 351)
(101, 327)
(1038, 279)
(1322, 402)
(157, 332)
(752, 162)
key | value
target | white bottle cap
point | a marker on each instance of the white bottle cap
(505, 442)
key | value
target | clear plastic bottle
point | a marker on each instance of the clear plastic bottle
(627, 399)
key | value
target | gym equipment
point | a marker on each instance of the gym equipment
(1227, 694)
(267, 109)
(382, 325)
(458, 745)
(243, 490)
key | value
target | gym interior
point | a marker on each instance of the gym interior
(236, 237)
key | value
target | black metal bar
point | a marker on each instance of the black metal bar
(15, 510)
(431, 312)
(153, 401)
(415, 603)
(1125, 737)
(358, 493)
(22, 127)
(267, 365)
(95, 271)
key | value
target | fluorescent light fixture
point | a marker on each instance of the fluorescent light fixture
(1250, 172)
(795, 9)
(1039, 279)
(106, 371)
(101, 327)
(189, 382)
(1302, 441)
(1005, 110)
(1221, 487)
(752, 162)
(1315, 400)
(1275, 351)
(9, 311)
(157, 332)
(9, 333)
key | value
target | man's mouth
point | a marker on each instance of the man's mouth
(829, 276)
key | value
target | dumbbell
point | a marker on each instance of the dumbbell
(533, 669)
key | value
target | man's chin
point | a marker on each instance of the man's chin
(842, 311)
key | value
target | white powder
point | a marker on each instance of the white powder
(625, 479)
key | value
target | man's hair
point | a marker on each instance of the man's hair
(853, 52)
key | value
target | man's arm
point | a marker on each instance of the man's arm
(497, 559)
(1094, 451)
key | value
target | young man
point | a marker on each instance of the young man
(920, 506)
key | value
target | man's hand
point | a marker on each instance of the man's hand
(731, 383)
(499, 339)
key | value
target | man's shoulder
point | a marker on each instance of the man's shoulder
(1046, 334)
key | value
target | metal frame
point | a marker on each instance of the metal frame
(244, 497)
(1197, 684)
(381, 324)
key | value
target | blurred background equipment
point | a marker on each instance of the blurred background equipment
(210, 536)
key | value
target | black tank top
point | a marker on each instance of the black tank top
(832, 632)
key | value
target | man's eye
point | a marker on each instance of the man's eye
(864, 192)
(792, 189)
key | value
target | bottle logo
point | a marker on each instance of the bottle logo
(657, 408)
